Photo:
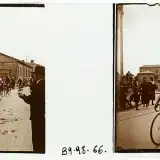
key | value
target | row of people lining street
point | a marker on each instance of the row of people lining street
(136, 92)
(7, 80)
(6, 84)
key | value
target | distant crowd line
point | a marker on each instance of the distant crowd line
(8, 83)
(130, 90)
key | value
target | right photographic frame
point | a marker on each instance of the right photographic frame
(136, 32)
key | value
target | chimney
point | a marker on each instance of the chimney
(32, 61)
(23, 61)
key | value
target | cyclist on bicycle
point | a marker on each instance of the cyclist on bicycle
(7, 79)
(157, 101)
(20, 84)
(7, 84)
(1, 86)
(12, 83)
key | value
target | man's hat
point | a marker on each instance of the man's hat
(40, 70)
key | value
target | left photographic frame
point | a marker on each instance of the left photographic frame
(22, 79)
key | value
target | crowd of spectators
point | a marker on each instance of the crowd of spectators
(130, 92)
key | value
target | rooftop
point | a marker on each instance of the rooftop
(29, 63)
(148, 66)
(22, 62)
(147, 72)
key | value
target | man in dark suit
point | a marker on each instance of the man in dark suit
(37, 103)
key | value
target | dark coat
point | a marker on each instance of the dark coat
(152, 89)
(123, 91)
(136, 94)
(145, 92)
(32, 84)
(37, 101)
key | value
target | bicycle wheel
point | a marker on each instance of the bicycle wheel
(155, 130)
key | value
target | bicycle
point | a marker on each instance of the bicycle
(20, 88)
(155, 122)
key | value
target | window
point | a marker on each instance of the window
(20, 71)
(26, 72)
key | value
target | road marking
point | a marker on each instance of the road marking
(135, 116)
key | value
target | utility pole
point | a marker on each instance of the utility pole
(120, 38)
(26, 59)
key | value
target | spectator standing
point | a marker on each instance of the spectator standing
(37, 103)
(123, 91)
(136, 95)
(145, 92)
(152, 89)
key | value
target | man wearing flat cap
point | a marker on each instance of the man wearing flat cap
(37, 103)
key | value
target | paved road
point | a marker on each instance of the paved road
(133, 128)
(15, 126)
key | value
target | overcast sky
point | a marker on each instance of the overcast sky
(141, 36)
(23, 32)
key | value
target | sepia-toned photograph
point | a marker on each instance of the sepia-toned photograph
(22, 80)
(137, 77)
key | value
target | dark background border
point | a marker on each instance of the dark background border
(39, 5)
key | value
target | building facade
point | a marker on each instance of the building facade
(14, 67)
(32, 64)
(151, 68)
(146, 74)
